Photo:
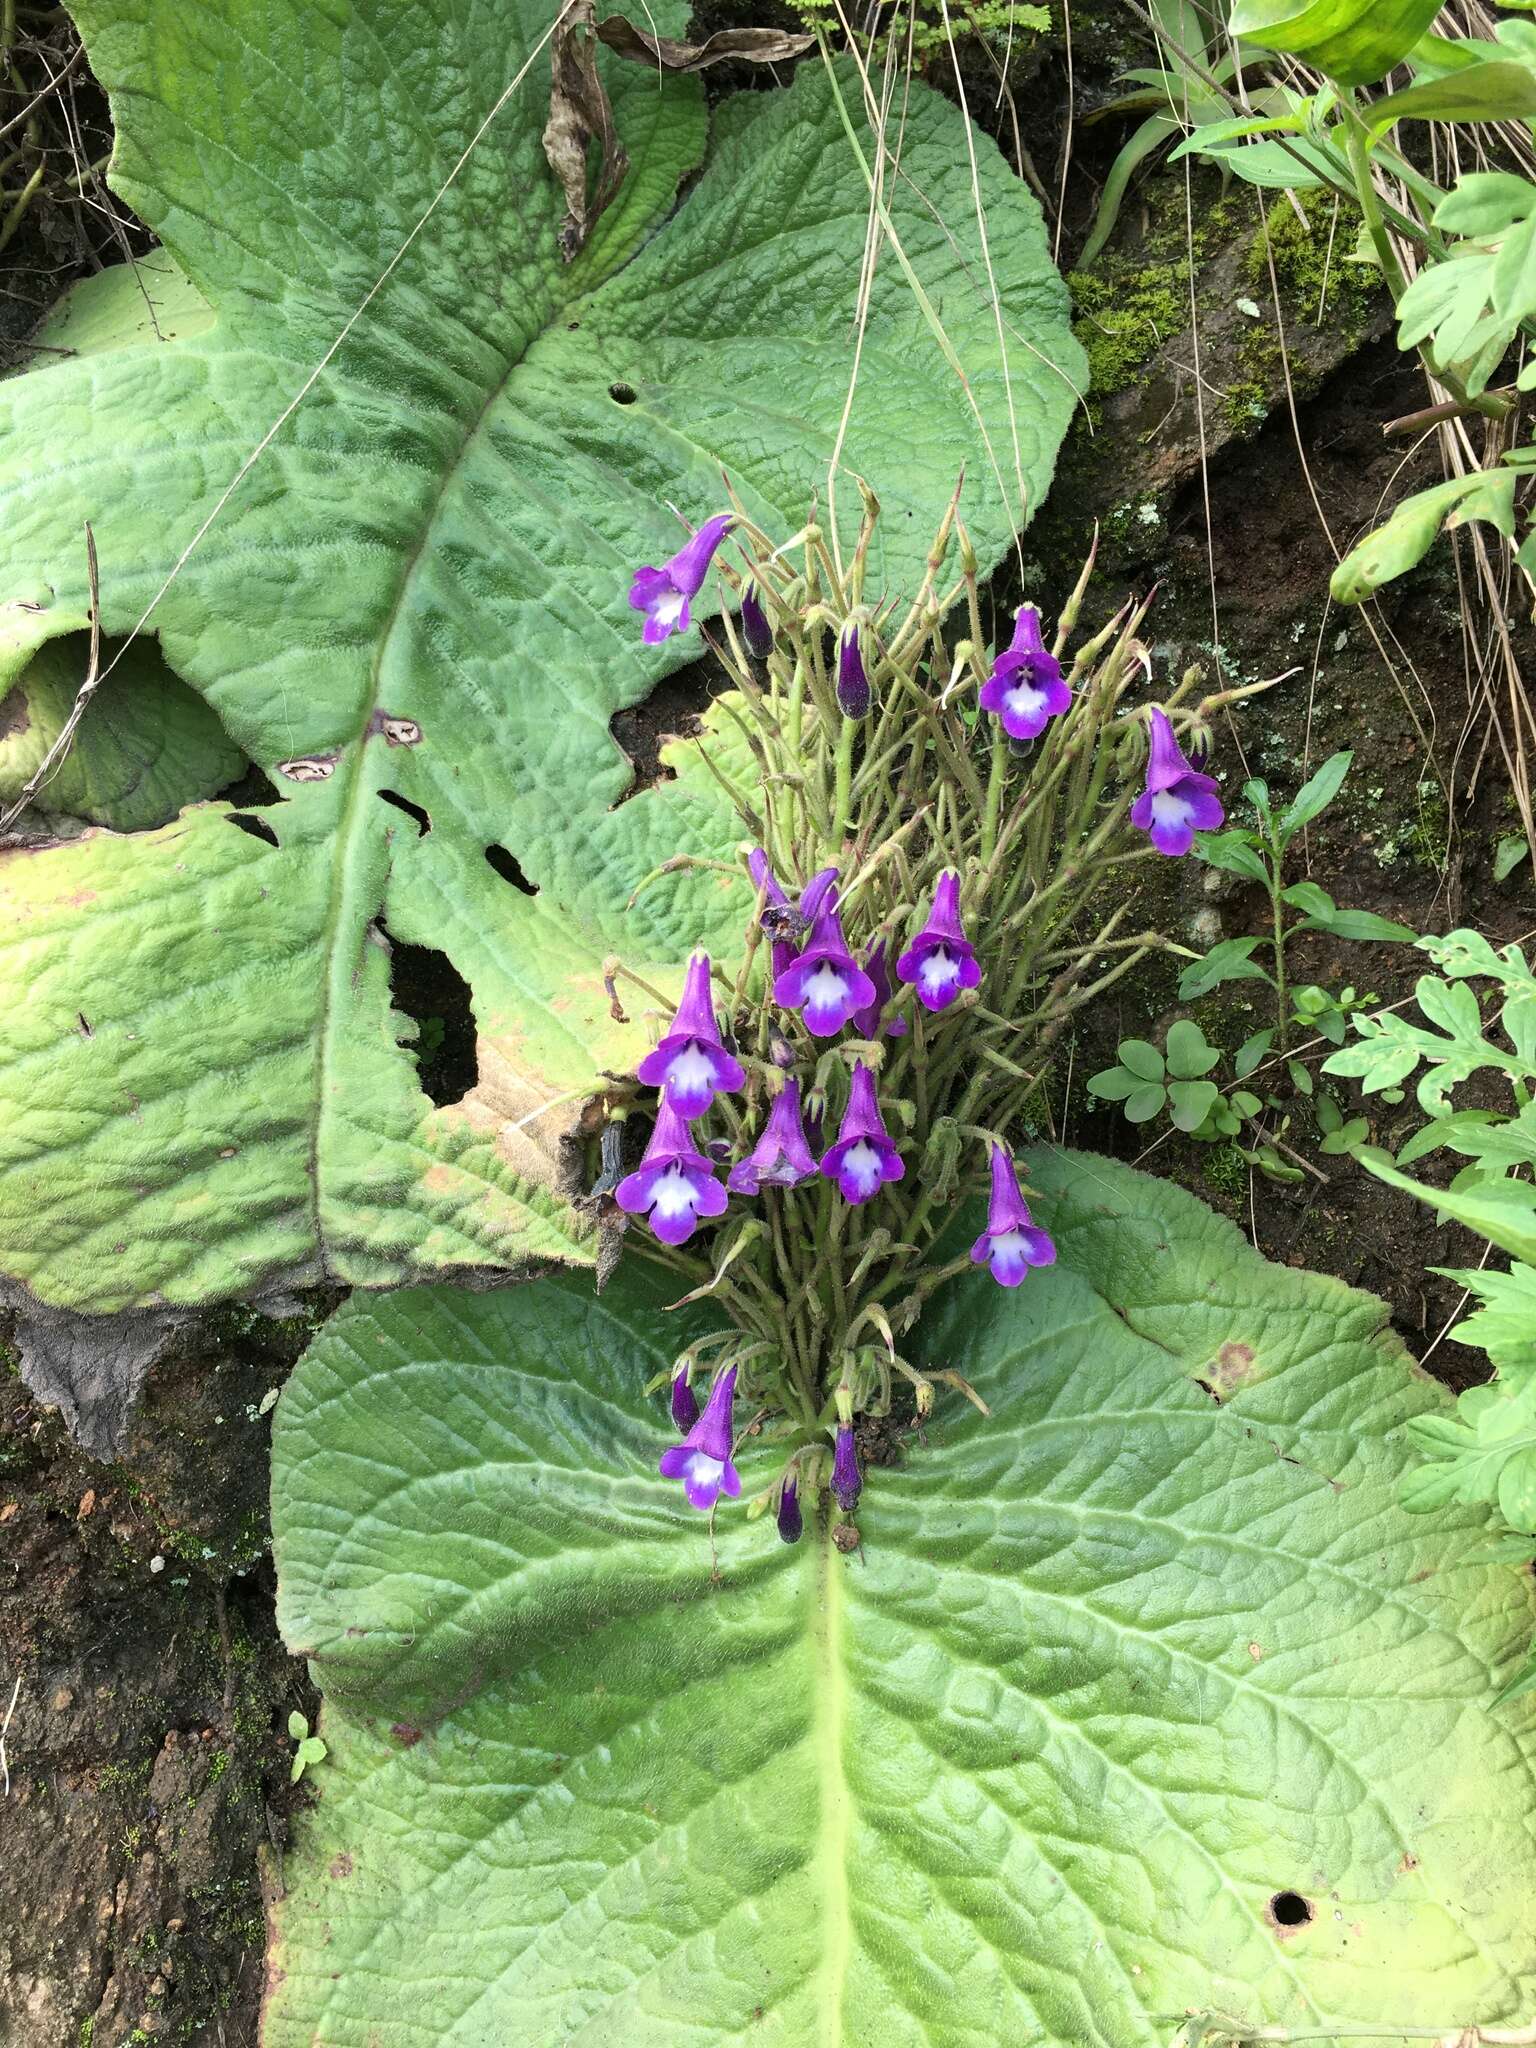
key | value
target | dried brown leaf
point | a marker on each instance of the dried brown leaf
(747, 45)
(578, 112)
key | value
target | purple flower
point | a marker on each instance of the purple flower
(877, 965)
(755, 629)
(1178, 801)
(852, 683)
(685, 1410)
(826, 984)
(781, 1158)
(941, 960)
(1011, 1244)
(674, 1181)
(863, 1157)
(690, 1064)
(790, 1523)
(846, 1483)
(664, 594)
(1026, 687)
(703, 1459)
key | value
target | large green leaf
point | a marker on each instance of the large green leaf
(1115, 1668)
(1353, 41)
(419, 593)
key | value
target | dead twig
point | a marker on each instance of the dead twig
(52, 86)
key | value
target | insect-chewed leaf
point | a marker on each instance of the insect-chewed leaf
(411, 615)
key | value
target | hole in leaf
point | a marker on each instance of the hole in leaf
(255, 790)
(258, 828)
(427, 987)
(150, 746)
(622, 394)
(672, 711)
(1290, 1909)
(509, 870)
(403, 803)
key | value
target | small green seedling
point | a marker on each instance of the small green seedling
(1340, 1134)
(1146, 1081)
(311, 1750)
(1258, 853)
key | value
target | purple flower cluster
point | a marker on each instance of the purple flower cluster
(676, 1185)
(1025, 690)
(816, 976)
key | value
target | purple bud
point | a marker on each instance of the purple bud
(755, 629)
(852, 683)
(1178, 801)
(846, 1483)
(877, 965)
(664, 594)
(790, 1523)
(685, 1410)
(780, 1051)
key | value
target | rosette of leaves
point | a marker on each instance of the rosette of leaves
(410, 613)
(1143, 1697)
(1145, 1081)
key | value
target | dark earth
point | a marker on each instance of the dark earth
(146, 1750)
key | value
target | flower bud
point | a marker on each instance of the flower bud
(789, 1518)
(755, 627)
(853, 692)
(847, 1484)
(685, 1409)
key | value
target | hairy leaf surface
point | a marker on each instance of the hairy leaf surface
(1115, 1669)
(417, 596)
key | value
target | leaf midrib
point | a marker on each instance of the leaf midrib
(829, 1681)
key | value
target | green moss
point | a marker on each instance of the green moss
(1224, 1170)
(1310, 264)
(87, 2032)
(1001, 22)
(1124, 317)
(1247, 405)
(128, 1777)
